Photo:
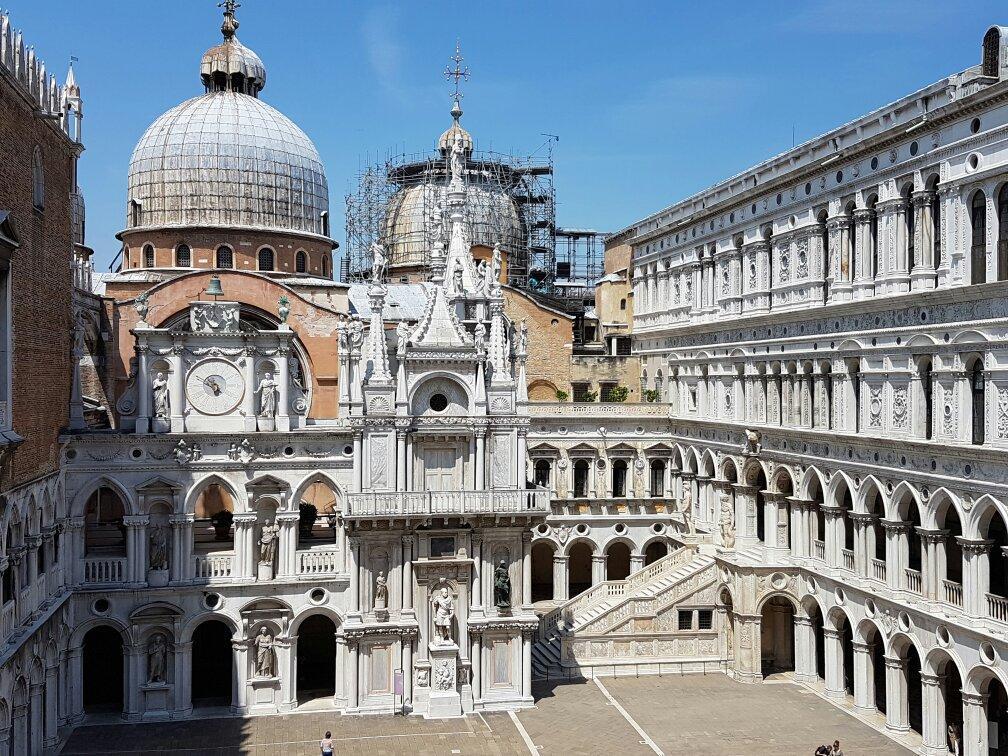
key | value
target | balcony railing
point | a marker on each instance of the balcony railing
(997, 607)
(210, 566)
(819, 550)
(420, 503)
(848, 559)
(8, 619)
(953, 593)
(104, 569)
(878, 570)
(320, 562)
(913, 580)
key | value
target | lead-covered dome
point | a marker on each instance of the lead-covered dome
(226, 158)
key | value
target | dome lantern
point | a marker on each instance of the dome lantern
(230, 66)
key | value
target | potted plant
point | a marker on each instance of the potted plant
(222, 524)
(618, 394)
(307, 515)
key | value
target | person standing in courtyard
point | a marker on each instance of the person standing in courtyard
(326, 745)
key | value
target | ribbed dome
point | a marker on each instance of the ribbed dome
(227, 159)
(409, 227)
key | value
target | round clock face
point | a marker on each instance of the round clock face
(215, 387)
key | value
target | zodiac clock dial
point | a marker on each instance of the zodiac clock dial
(215, 387)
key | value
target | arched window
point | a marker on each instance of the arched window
(936, 239)
(908, 215)
(619, 471)
(225, 257)
(926, 389)
(148, 252)
(134, 213)
(183, 256)
(325, 223)
(325, 264)
(265, 259)
(38, 180)
(827, 253)
(978, 218)
(542, 473)
(1002, 246)
(622, 304)
(991, 45)
(873, 238)
(300, 261)
(976, 375)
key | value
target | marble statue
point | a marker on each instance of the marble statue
(402, 336)
(752, 442)
(381, 592)
(444, 611)
(502, 586)
(481, 279)
(233, 452)
(157, 658)
(79, 347)
(523, 337)
(379, 260)
(158, 557)
(479, 338)
(686, 506)
(268, 541)
(161, 399)
(495, 267)
(457, 286)
(268, 392)
(457, 160)
(727, 523)
(356, 334)
(265, 660)
(141, 307)
(283, 309)
(342, 341)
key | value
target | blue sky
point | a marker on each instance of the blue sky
(651, 100)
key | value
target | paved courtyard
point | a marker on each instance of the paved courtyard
(668, 715)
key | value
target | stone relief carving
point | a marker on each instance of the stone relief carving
(158, 559)
(901, 412)
(875, 406)
(213, 317)
(1002, 413)
(444, 675)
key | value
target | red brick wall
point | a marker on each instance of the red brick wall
(41, 284)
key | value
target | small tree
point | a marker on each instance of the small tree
(618, 394)
(650, 395)
(307, 515)
(222, 524)
(562, 396)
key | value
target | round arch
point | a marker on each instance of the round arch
(192, 496)
(185, 635)
(432, 382)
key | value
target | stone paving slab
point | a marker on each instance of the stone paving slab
(713, 714)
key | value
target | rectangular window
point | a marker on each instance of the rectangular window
(582, 392)
(606, 391)
(442, 546)
(705, 619)
(685, 619)
(623, 347)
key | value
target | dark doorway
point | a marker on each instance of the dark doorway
(212, 665)
(542, 572)
(618, 561)
(102, 660)
(655, 551)
(579, 569)
(316, 658)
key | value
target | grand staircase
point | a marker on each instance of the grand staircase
(615, 606)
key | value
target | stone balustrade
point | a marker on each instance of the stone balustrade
(213, 566)
(426, 503)
(319, 562)
(104, 569)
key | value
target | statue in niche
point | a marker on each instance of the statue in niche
(378, 262)
(496, 267)
(268, 541)
(158, 549)
(402, 337)
(727, 523)
(380, 592)
(686, 505)
(457, 279)
(157, 659)
(502, 586)
(479, 338)
(444, 611)
(268, 392)
(523, 337)
(161, 399)
(265, 659)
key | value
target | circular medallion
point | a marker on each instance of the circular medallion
(215, 387)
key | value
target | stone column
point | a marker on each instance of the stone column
(283, 422)
(864, 680)
(75, 704)
(560, 576)
(35, 734)
(598, 569)
(527, 665)
(976, 575)
(248, 400)
(176, 396)
(476, 663)
(183, 678)
(897, 703)
(922, 276)
(245, 558)
(931, 579)
(834, 663)
(21, 729)
(526, 568)
(480, 459)
(864, 280)
(358, 468)
(933, 709)
(636, 562)
(355, 576)
(476, 605)
(353, 699)
(805, 654)
(143, 389)
(975, 724)
(51, 708)
(287, 544)
(407, 586)
(407, 665)
(895, 546)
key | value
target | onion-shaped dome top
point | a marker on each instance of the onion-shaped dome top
(448, 137)
(231, 65)
(227, 159)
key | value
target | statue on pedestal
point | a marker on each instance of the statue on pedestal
(265, 660)
(381, 592)
(268, 393)
(157, 657)
(457, 160)
(727, 523)
(158, 558)
(496, 267)
(268, 541)
(160, 389)
(402, 337)
(502, 586)
(444, 611)
(379, 261)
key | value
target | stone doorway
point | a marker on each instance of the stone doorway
(316, 659)
(212, 665)
(777, 636)
(102, 659)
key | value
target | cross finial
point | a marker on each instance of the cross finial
(458, 73)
